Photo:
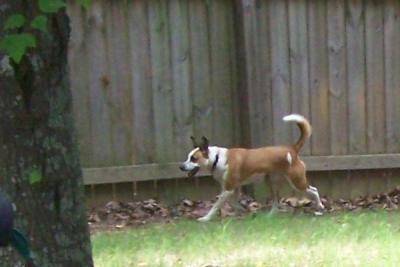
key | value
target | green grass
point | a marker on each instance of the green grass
(347, 239)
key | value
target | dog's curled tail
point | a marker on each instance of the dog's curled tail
(304, 126)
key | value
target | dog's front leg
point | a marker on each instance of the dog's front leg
(217, 205)
(235, 204)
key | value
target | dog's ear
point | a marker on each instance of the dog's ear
(194, 142)
(204, 145)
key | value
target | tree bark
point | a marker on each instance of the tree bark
(37, 140)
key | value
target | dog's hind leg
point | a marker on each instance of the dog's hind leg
(271, 181)
(297, 178)
(313, 193)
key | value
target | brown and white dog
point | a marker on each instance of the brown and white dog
(236, 166)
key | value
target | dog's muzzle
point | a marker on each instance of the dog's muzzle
(191, 172)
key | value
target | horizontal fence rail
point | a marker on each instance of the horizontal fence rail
(149, 172)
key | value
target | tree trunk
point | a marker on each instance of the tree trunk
(37, 142)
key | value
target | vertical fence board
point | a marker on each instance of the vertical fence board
(200, 69)
(221, 44)
(378, 182)
(279, 69)
(340, 184)
(356, 76)
(392, 77)
(393, 176)
(180, 66)
(245, 28)
(254, 84)
(319, 84)
(99, 82)
(143, 147)
(162, 81)
(359, 183)
(233, 73)
(263, 93)
(336, 43)
(298, 46)
(375, 76)
(119, 94)
(79, 68)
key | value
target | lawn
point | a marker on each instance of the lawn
(346, 239)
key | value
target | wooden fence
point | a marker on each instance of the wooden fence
(146, 75)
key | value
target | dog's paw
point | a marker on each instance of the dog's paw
(318, 213)
(204, 219)
(320, 210)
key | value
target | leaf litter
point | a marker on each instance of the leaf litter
(118, 215)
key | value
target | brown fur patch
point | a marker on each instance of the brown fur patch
(243, 163)
(200, 157)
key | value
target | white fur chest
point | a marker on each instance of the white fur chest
(218, 162)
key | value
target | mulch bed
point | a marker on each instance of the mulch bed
(118, 215)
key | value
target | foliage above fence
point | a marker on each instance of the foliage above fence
(21, 29)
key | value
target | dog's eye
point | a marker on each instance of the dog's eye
(193, 159)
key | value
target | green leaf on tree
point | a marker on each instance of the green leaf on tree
(84, 3)
(35, 176)
(51, 6)
(14, 22)
(40, 23)
(15, 45)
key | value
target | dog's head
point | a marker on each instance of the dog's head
(196, 158)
